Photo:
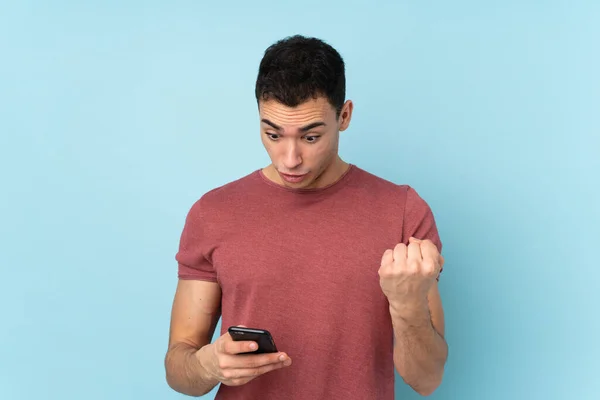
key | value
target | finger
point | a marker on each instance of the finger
(229, 346)
(414, 253)
(250, 361)
(260, 360)
(388, 257)
(429, 251)
(431, 256)
(400, 252)
(243, 373)
(413, 239)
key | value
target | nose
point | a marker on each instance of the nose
(292, 158)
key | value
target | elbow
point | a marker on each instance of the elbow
(425, 393)
(426, 386)
(172, 382)
(429, 384)
(426, 390)
(171, 376)
(424, 383)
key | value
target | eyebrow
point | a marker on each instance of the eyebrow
(302, 129)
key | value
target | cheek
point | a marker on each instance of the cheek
(325, 150)
(319, 156)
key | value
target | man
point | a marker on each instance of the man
(339, 265)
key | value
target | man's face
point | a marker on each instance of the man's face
(302, 141)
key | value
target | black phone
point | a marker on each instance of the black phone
(262, 337)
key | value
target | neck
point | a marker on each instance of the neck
(332, 173)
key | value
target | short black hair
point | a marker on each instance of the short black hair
(297, 68)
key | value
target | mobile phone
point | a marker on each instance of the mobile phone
(262, 337)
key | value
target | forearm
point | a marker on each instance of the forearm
(185, 373)
(420, 352)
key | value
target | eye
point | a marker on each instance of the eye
(311, 139)
(272, 136)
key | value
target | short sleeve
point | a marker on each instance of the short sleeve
(193, 256)
(419, 221)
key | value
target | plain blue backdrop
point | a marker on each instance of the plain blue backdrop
(116, 116)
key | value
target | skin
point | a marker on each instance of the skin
(408, 279)
(295, 150)
(193, 365)
(305, 140)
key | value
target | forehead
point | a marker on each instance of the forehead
(310, 111)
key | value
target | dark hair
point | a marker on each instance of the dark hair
(297, 68)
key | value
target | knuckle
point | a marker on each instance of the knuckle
(223, 347)
(412, 271)
(429, 266)
(227, 374)
(388, 257)
(386, 273)
(222, 363)
(218, 347)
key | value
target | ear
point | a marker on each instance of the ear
(346, 115)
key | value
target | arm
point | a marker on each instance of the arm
(194, 316)
(420, 350)
(408, 278)
(194, 366)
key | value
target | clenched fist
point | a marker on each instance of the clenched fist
(408, 272)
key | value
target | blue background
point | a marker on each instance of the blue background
(115, 118)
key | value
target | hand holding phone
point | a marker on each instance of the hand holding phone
(237, 362)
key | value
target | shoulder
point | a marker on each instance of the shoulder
(223, 197)
(399, 194)
(377, 184)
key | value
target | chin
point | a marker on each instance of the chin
(301, 185)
